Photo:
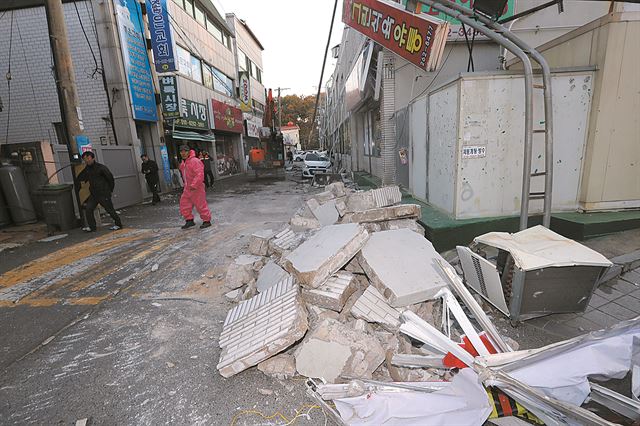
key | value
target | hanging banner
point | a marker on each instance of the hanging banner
(226, 117)
(166, 169)
(418, 38)
(245, 91)
(193, 115)
(169, 96)
(136, 60)
(161, 37)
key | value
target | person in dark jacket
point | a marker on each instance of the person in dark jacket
(150, 172)
(208, 173)
(101, 185)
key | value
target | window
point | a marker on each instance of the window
(242, 60)
(214, 29)
(207, 76)
(259, 76)
(184, 62)
(254, 71)
(225, 41)
(196, 69)
(188, 7)
(258, 106)
(200, 17)
(221, 82)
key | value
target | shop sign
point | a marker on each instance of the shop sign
(166, 168)
(136, 60)
(161, 37)
(411, 36)
(193, 115)
(472, 151)
(226, 117)
(245, 91)
(253, 125)
(169, 96)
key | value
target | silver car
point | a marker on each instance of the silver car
(314, 163)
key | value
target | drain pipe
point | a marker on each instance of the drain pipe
(548, 107)
(528, 95)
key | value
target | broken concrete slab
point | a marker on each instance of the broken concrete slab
(333, 293)
(326, 213)
(242, 270)
(285, 241)
(259, 242)
(302, 223)
(386, 196)
(359, 202)
(233, 295)
(250, 290)
(628, 261)
(282, 366)
(325, 253)
(403, 211)
(354, 267)
(270, 275)
(261, 327)
(402, 266)
(332, 349)
(337, 189)
(410, 224)
(372, 307)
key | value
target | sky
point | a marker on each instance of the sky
(294, 36)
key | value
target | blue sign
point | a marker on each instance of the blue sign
(165, 164)
(136, 60)
(83, 143)
(161, 37)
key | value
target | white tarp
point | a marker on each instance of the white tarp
(564, 373)
(539, 247)
(463, 402)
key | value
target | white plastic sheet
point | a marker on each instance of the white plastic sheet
(464, 402)
(539, 247)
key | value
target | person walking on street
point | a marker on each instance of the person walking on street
(208, 173)
(193, 195)
(101, 185)
(150, 172)
(290, 156)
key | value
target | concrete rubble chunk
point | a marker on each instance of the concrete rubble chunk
(359, 202)
(302, 223)
(337, 189)
(333, 293)
(372, 307)
(402, 266)
(242, 270)
(261, 327)
(269, 276)
(259, 242)
(410, 224)
(250, 290)
(281, 366)
(285, 241)
(386, 196)
(325, 253)
(403, 211)
(332, 349)
(354, 267)
(326, 214)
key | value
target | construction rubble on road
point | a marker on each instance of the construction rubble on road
(352, 296)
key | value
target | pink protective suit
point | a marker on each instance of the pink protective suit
(193, 194)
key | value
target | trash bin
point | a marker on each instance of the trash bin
(57, 207)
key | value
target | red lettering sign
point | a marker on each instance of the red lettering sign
(418, 38)
(226, 117)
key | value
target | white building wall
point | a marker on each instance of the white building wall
(34, 101)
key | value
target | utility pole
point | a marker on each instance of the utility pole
(66, 85)
(279, 106)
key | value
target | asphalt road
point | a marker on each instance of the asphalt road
(89, 330)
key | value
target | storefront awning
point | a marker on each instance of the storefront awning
(193, 136)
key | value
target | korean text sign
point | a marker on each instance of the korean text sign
(169, 96)
(136, 60)
(406, 34)
(226, 117)
(161, 37)
(193, 115)
(245, 91)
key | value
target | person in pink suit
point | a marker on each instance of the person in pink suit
(193, 195)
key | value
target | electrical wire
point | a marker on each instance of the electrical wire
(8, 76)
(33, 90)
(97, 69)
(279, 415)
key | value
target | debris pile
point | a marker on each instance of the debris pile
(351, 295)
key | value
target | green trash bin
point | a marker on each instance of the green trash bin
(57, 207)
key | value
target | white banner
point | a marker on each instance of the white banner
(253, 125)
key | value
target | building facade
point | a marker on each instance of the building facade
(358, 105)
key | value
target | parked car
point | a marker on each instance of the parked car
(299, 155)
(314, 163)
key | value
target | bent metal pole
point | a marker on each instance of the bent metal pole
(528, 94)
(548, 107)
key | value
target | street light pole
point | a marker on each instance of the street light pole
(279, 106)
